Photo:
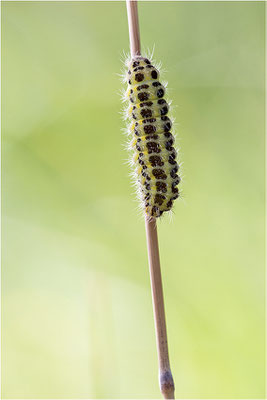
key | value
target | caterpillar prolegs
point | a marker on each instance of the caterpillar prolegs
(154, 155)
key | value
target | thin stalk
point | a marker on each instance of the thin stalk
(133, 23)
(165, 375)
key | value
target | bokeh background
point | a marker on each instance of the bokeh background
(76, 305)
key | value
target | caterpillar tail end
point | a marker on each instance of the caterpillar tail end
(153, 212)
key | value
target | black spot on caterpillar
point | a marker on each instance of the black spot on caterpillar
(152, 141)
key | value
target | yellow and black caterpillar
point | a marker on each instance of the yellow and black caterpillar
(154, 154)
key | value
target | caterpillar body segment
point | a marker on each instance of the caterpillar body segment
(150, 125)
(148, 91)
(152, 142)
(148, 109)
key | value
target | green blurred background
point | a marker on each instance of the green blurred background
(76, 312)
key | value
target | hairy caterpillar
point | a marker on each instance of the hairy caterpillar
(152, 141)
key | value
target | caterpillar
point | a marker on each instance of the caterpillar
(149, 127)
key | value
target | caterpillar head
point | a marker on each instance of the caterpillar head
(140, 69)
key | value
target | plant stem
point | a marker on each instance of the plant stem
(133, 24)
(165, 375)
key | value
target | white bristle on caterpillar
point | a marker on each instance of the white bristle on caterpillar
(149, 128)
